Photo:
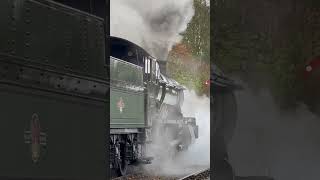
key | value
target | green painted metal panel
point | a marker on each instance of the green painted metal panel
(75, 130)
(5, 26)
(126, 95)
(47, 33)
(128, 73)
(126, 109)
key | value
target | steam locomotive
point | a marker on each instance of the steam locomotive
(55, 79)
(144, 105)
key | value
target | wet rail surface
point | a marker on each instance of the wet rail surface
(144, 177)
(203, 174)
(200, 175)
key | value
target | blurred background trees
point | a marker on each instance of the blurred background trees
(267, 44)
(189, 61)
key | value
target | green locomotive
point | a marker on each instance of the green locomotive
(143, 104)
(55, 79)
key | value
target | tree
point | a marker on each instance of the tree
(197, 35)
(188, 62)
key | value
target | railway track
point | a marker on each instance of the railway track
(198, 175)
(143, 177)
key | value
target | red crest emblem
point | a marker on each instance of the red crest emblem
(35, 137)
(120, 104)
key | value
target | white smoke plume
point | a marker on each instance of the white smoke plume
(208, 2)
(199, 107)
(153, 25)
(197, 157)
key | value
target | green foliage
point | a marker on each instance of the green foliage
(190, 63)
(252, 53)
(236, 50)
(192, 75)
(286, 73)
(197, 35)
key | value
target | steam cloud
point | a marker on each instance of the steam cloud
(197, 156)
(199, 107)
(153, 25)
(267, 141)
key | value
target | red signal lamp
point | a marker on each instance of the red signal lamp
(312, 67)
(207, 83)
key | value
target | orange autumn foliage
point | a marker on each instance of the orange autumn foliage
(181, 50)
